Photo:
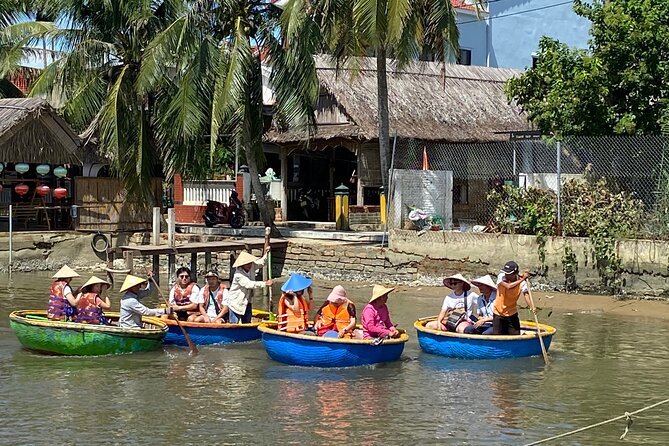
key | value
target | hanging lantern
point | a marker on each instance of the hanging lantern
(21, 168)
(60, 193)
(43, 169)
(2, 167)
(60, 172)
(43, 190)
(21, 189)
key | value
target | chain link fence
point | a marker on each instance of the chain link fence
(465, 186)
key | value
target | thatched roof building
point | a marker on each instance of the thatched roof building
(428, 101)
(32, 132)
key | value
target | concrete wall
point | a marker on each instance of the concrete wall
(645, 263)
(517, 25)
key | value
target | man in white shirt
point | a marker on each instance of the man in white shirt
(213, 300)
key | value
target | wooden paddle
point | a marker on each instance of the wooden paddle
(536, 321)
(191, 346)
(268, 231)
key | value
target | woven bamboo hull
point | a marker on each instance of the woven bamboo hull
(214, 334)
(37, 333)
(456, 345)
(313, 351)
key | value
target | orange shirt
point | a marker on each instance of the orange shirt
(506, 302)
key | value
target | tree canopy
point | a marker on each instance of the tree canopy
(617, 86)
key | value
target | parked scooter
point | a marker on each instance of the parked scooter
(218, 213)
(309, 204)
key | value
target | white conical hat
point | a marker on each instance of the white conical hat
(65, 273)
(459, 277)
(130, 281)
(93, 280)
(244, 258)
(484, 280)
(379, 291)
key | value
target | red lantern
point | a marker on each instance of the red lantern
(43, 190)
(21, 189)
(60, 193)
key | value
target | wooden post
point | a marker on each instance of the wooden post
(155, 239)
(207, 261)
(284, 184)
(170, 227)
(11, 234)
(171, 260)
(111, 255)
(129, 260)
(193, 265)
(156, 268)
(233, 257)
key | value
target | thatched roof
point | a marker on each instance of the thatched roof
(32, 132)
(427, 101)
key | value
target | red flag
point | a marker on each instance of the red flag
(425, 164)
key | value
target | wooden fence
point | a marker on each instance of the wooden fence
(103, 205)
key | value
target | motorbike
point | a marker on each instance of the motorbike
(218, 213)
(309, 204)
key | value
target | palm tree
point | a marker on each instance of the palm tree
(212, 89)
(17, 35)
(402, 29)
(93, 83)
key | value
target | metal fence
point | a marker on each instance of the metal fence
(453, 182)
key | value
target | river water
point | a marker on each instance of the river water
(601, 366)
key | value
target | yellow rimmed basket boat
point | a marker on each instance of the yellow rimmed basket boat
(317, 351)
(469, 346)
(39, 334)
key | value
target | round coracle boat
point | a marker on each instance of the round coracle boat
(212, 334)
(317, 351)
(474, 346)
(38, 333)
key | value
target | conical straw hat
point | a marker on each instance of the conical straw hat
(484, 280)
(130, 281)
(244, 258)
(93, 280)
(458, 277)
(65, 273)
(379, 291)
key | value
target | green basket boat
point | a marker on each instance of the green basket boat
(37, 333)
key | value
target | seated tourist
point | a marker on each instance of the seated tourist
(212, 300)
(376, 321)
(183, 296)
(62, 303)
(456, 309)
(91, 303)
(484, 304)
(132, 309)
(336, 317)
(293, 308)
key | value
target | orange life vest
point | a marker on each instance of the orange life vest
(290, 320)
(334, 318)
(182, 296)
(219, 297)
(59, 306)
(506, 302)
(88, 311)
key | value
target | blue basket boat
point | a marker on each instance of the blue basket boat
(465, 346)
(211, 334)
(316, 351)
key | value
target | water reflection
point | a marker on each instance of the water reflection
(601, 366)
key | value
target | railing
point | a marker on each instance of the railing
(198, 192)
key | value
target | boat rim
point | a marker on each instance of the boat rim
(546, 330)
(173, 323)
(264, 328)
(19, 316)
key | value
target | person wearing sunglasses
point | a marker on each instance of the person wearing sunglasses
(183, 296)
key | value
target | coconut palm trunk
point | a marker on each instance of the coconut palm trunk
(384, 116)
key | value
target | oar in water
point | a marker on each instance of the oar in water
(191, 346)
(268, 231)
(536, 321)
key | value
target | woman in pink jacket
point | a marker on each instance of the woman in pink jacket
(376, 321)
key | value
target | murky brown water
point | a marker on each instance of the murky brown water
(601, 366)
